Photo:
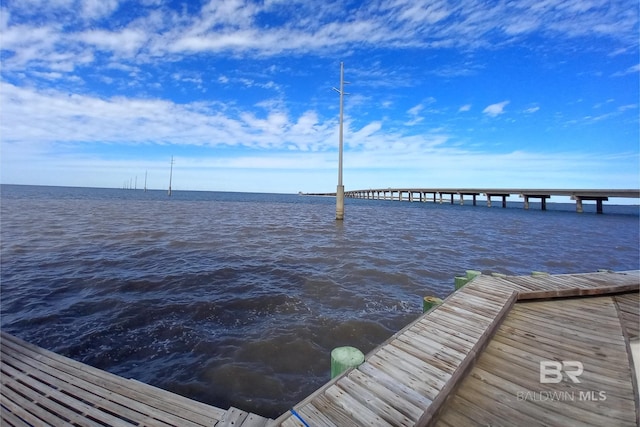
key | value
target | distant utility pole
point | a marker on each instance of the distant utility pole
(170, 175)
(340, 188)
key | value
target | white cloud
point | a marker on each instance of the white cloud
(240, 26)
(414, 111)
(465, 107)
(495, 110)
(93, 9)
(531, 110)
(631, 70)
(126, 41)
(52, 117)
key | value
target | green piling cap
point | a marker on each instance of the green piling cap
(429, 302)
(343, 358)
(460, 281)
(473, 273)
(539, 273)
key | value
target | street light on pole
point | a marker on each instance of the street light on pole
(340, 188)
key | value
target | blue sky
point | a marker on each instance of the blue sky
(465, 93)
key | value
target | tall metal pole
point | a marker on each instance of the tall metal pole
(170, 175)
(340, 188)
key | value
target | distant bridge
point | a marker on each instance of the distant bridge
(438, 194)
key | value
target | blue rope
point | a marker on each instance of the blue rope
(295, 414)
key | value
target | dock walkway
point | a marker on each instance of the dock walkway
(42, 388)
(476, 359)
(468, 360)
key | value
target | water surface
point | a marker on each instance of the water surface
(237, 298)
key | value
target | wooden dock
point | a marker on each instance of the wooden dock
(41, 388)
(475, 359)
(422, 194)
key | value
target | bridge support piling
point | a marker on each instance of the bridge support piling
(599, 196)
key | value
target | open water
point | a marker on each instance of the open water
(237, 299)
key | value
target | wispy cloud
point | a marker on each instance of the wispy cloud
(495, 110)
(244, 26)
(631, 70)
(465, 107)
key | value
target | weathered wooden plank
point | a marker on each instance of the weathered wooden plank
(10, 419)
(254, 420)
(58, 405)
(572, 315)
(504, 283)
(451, 338)
(453, 418)
(562, 339)
(629, 308)
(571, 329)
(446, 317)
(437, 344)
(600, 310)
(97, 395)
(478, 306)
(574, 326)
(491, 285)
(592, 411)
(471, 407)
(586, 291)
(441, 326)
(527, 374)
(574, 309)
(471, 297)
(410, 396)
(528, 362)
(596, 370)
(553, 411)
(21, 407)
(161, 401)
(475, 308)
(233, 417)
(376, 404)
(291, 422)
(481, 290)
(359, 413)
(89, 393)
(336, 414)
(428, 342)
(418, 365)
(479, 321)
(390, 365)
(314, 417)
(430, 354)
(389, 397)
(488, 396)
